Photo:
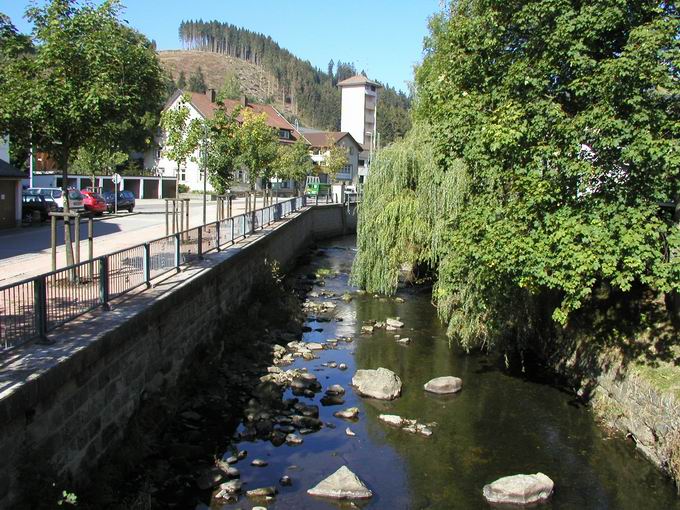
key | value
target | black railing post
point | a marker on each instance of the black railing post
(217, 235)
(178, 252)
(147, 264)
(199, 248)
(104, 282)
(40, 307)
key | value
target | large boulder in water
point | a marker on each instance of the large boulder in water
(519, 489)
(382, 384)
(343, 484)
(444, 385)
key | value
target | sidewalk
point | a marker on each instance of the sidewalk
(112, 233)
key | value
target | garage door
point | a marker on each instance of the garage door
(7, 204)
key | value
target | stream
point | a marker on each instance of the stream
(500, 423)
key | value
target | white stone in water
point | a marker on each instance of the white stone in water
(342, 366)
(343, 484)
(394, 322)
(349, 414)
(349, 432)
(404, 341)
(259, 463)
(519, 489)
(293, 439)
(444, 385)
(335, 389)
(232, 486)
(314, 346)
(381, 384)
(392, 419)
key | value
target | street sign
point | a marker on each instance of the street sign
(116, 178)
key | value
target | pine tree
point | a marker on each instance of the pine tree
(197, 81)
(182, 81)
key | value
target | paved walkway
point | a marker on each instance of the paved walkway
(26, 252)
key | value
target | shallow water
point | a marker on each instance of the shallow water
(498, 425)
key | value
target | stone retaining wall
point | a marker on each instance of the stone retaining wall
(65, 405)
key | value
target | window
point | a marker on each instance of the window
(361, 162)
(183, 175)
(159, 152)
(284, 133)
(372, 88)
(351, 151)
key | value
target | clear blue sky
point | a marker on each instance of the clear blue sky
(383, 37)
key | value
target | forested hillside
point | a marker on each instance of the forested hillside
(304, 90)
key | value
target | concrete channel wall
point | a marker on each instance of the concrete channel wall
(65, 405)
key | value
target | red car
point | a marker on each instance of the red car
(94, 203)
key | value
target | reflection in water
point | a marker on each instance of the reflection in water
(498, 425)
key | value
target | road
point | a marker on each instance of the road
(26, 252)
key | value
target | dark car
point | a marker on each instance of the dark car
(41, 203)
(126, 200)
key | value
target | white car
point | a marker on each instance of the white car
(75, 198)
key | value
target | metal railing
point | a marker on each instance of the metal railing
(33, 307)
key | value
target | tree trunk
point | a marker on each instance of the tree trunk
(673, 297)
(68, 245)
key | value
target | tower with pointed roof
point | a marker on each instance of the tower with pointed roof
(359, 114)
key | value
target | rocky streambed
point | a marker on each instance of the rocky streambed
(371, 407)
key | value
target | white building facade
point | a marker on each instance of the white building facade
(321, 140)
(359, 116)
(202, 106)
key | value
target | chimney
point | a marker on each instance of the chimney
(244, 100)
(212, 95)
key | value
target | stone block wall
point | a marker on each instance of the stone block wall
(64, 406)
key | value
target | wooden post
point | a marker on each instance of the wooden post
(54, 242)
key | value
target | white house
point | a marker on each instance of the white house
(359, 116)
(320, 141)
(203, 106)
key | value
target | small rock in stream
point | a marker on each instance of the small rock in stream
(444, 385)
(342, 366)
(350, 413)
(332, 400)
(242, 454)
(262, 492)
(259, 463)
(394, 323)
(293, 439)
(519, 489)
(381, 384)
(232, 460)
(349, 432)
(286, 481)
(335, 389)
(232, 486)
(343, 484)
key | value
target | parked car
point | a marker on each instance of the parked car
(126, 200)
(94, 203)
(56, 194)
(44, 205)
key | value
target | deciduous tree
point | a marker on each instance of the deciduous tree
(90, 78)
(294, 163)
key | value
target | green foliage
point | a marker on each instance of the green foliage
(93, 159)
(231, 89)
(336, 157)
(182, 81)
(182, 133)
(294, 162)
(89, 78)
(557, 122)
(222, 147)
(311, 92)
(197, 81)
(257, 146)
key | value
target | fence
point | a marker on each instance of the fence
(33, 307)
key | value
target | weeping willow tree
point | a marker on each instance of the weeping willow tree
(534, 187)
